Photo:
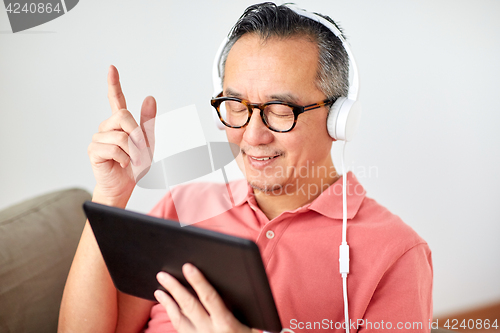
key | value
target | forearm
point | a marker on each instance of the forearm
(89, 301)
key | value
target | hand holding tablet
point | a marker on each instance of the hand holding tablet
(187, 313)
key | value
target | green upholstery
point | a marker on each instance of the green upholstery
(38, 240)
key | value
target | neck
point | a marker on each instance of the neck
(293, 196)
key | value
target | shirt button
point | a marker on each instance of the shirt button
(270, 234)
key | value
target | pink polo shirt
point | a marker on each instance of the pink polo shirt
(390, 280)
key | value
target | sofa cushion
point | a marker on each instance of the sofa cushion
(38, 240)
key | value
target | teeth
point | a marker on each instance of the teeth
(263, 159)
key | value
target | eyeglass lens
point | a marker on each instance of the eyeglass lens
(278, 116)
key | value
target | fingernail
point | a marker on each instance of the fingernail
(159, 295)
(189, 269)
(162, 276)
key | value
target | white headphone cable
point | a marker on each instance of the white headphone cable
(344, 248)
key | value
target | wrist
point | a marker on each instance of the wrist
(120, 201)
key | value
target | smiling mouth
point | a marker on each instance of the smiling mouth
(263, 158)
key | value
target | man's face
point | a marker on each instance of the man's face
(285, 70)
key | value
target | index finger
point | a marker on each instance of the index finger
(115, 93)
(207, 294)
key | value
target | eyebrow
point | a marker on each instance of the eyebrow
(285, 97)
(232, 93)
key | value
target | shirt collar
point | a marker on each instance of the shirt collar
(242, 192)
(329, 203)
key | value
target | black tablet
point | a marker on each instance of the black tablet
(136, 247)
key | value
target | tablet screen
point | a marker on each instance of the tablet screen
(135, 247)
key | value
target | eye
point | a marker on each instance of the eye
(272, 114)
(279, 110)
(235, 107)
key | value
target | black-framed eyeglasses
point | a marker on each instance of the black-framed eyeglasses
(276, 115)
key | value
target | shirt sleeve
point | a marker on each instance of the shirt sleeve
(165, 208)
(160, 321)
(403, 297)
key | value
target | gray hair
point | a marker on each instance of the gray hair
(270, 20)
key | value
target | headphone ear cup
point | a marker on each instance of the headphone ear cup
(343, 119)
(331, 121)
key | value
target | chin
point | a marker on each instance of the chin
(265, 186)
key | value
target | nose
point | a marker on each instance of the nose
(256, 132)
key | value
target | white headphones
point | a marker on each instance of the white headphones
(344, 114)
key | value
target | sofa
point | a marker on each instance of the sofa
(38, 240)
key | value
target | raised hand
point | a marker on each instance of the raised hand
(121, 151)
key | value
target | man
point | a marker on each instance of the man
(273, 55)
